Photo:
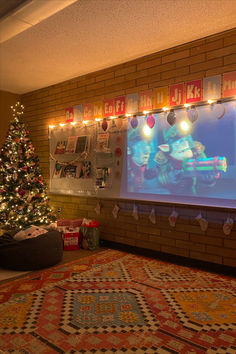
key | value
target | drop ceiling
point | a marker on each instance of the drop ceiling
(83, 36)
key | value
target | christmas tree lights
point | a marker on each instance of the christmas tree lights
(23, 196)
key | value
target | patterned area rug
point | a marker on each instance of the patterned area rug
(115, 302)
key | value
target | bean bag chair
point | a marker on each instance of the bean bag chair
(31, 254)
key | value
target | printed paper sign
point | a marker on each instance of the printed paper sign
(69, 114)
(97, 109)
(108, 108)
(176, 94)
(229, 84)
(87, 111)
(211, 87)
(119, 106)
(78, 113)
(132, 103)
(145, 101)
(160, 97)
(193, 91)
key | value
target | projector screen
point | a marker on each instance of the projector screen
(192, 161)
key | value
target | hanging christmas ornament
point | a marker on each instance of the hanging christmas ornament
(22, 192)
(104, 124)
(151, 121)
(119, 123)
(134, 122)
(171, 117)
(192, 115)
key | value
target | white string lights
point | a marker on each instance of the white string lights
(191, 111)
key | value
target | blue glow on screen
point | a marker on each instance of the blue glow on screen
(193, 163)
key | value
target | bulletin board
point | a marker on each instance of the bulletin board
(86, 160)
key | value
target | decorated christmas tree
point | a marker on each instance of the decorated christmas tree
(23, 196)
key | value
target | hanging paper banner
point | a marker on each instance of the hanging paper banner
(229, 84)
(97, 110)
(108, 108)
(160, 97)
(194, 91)
(78, 113)
(211, 87)
(176, 94)
(69, 112)
(145, 101)
(119, 106)
(132, 103)
(87, 111)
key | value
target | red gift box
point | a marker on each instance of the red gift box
(71, 241)
(76, 223)
(63, 222)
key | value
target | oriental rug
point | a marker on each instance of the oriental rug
(115, 302)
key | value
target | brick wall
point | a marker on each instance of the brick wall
(205, 57)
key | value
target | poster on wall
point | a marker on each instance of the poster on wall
(192, 161)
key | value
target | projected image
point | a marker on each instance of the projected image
(195, 157)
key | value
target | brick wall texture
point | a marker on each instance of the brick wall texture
(198, 59)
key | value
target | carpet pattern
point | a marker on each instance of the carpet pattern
(115, 302)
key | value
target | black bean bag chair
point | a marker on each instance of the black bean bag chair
(31, 254)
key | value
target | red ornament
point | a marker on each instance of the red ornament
(118, 152)
(104, 125)
(22, 192)
(134, 122)
(150, 121)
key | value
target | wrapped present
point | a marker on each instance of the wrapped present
(89, 223)
(65, 225)
(76, 223)
(71, 240)
(89, 234)
(63, 222)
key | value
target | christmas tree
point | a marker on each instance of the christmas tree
(23, 196)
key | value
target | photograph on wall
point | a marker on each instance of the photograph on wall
(188, 155)
(71, 144)
(69, 171)
(102, 142)
(102, 177)
(84, 169)
(60, 147)
(57, 170)
(82, 144)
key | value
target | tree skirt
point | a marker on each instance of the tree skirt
(118, 302)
